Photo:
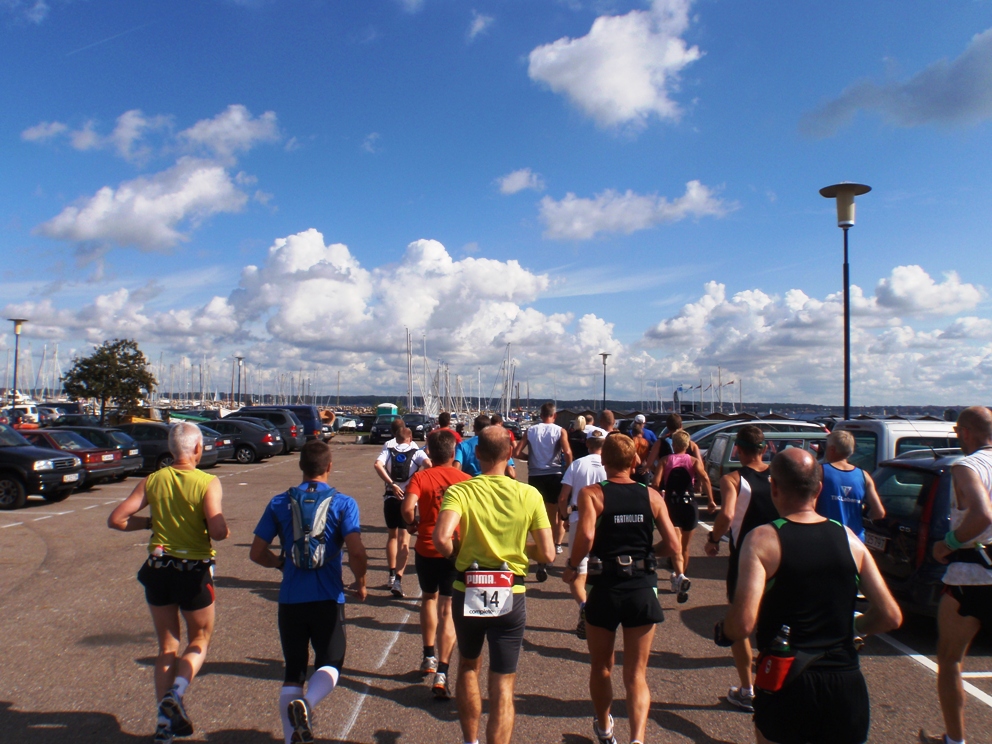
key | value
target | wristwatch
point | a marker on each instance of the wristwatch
(710, 539)
(568, 564)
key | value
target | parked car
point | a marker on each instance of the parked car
(224, 444)
(364, 423)
(660, 428)
(28, 412)
(26, 470)
(289, 426)
(47, 414)
(916, 492)
(153, 441)
(419, 424)
(76, 419)
(111, 438)
(251, 441)
(382, 430)
(307, 416)
(722, 458)
(876, 440)
(101, 463)
(704, 437)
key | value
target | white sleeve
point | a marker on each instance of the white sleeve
(566, 480)
(383, 456)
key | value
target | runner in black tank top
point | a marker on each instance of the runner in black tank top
(617, 521)
(759, 510)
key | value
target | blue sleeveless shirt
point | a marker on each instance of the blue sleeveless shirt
(842, 496)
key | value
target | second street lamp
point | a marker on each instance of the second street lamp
(844, 193)
(604, 355)
(18, 323)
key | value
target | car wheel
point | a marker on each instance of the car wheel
(54, 498)
(285, 448)
(12, 492)
(164, 461)
(120, 478)
(245, 455)
(85, 486)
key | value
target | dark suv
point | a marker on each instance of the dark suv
(251, 441)
(28, 470)
(419, 424)
(307, 415)
(289, 426)
(916, 492)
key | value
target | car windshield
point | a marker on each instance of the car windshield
(10, 438)
(900, 490)
(121, 438)
(385, 419)
(99, 438)
(69, 440)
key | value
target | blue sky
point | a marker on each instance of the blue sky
(298, 181)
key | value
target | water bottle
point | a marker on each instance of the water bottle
(158, 551)
(774, 664)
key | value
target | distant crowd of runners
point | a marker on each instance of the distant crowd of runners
(623, 506)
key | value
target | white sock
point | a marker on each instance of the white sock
(321, 684)
(949, 740)
(180, 685)
(747, 690)
(286, 696)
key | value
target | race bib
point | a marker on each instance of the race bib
(488, 593)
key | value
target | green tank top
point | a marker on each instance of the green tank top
(178, 524)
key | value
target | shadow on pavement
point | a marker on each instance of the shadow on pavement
(105, 640)
(416, 696)
(99, 728)
(700, 620)
(269, 669)
(268, 590)
(704, 567)
(671, 722)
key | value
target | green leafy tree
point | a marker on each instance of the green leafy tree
(115, 371)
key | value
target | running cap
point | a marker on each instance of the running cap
(639, 419)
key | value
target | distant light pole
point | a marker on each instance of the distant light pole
(18, 322)
(844, 193)
(604, 355)
(239, 358)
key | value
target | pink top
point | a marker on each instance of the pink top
(681, 460)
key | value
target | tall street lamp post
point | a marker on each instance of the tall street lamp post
(18, 322)
(604, 355)
(844, 193)
(239, 377)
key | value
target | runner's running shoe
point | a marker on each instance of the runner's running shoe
(737, 698)
(558, 549)
(172, 708)
(542, 572)
(580, 629)
(683, 592)
(301, 719)
(936, 739)
(163, 734)
(604, 737)
(397, 587)
(440, 687)
(428, 665)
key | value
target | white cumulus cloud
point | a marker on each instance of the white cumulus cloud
(147, 212)
(953, 92)
(578, 218)
(42, 131)
(232, 131)
(519, 180)
(910, 290)
(480, 23)
(625, 69)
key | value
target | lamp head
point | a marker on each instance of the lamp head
(18, 322)
(604, 355)
(844, 193)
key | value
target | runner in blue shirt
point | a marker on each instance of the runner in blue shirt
(846, 488)
(311, 601)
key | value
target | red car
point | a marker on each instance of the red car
(101, 464)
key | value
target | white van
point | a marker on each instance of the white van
(28, 413)
(882, 439)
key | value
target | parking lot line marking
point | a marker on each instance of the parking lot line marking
(92, 506)
(926, 662)
(47, 516)
(977, 675)
(12, 524)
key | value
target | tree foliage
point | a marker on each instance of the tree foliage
(117, 371)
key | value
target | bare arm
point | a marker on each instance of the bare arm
(883, 612)
(358, 563)
(409, 507)
(542, 549)
(510, 472)
(380, 470)
(444, 533)
(566, 448)
(263, 555)
(216, 524)
(875, 508)
(563, 498)
(518, 449)
(974, 499)
(123, 516)
(652, 458)
(590, 507)
(729, 485)
(760, 555)
(703, 479)
(670, 543)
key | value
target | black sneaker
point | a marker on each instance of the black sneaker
(683, 594)
(397, 588)
(300, 716)
(542, 572)
(163, 734)
(580, 629)
(172, 708)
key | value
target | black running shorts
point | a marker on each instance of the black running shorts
(505, 634)
(607, 607)
(391, 510)
(305, 624)
(733, 566)
(975, 601)
(684, 515)
(549, 486)
(435, 575)
(821, 706)
(192, 590)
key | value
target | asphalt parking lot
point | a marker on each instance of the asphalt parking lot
(77, 652)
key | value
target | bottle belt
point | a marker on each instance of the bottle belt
(979, 554)
(621, 565)
(517, 580)
(180, 564)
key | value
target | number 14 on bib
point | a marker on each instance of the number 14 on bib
(488, 593)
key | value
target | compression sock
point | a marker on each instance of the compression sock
(442, 667)
(321, 684)
(392, 572)
(429, 651)
(286, 696)
(180, 685)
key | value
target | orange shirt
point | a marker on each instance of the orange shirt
(429, 486)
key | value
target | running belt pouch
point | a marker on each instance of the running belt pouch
(310, 510)
(775, 673)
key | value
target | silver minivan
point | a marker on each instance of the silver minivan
(876, 440)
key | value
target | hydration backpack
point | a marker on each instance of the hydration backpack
(678, 487)
(310, 509)
(399, 464)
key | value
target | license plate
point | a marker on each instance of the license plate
(70, 478)
(208, 448)
(875, 542)
(108, 458)
(132, 453)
